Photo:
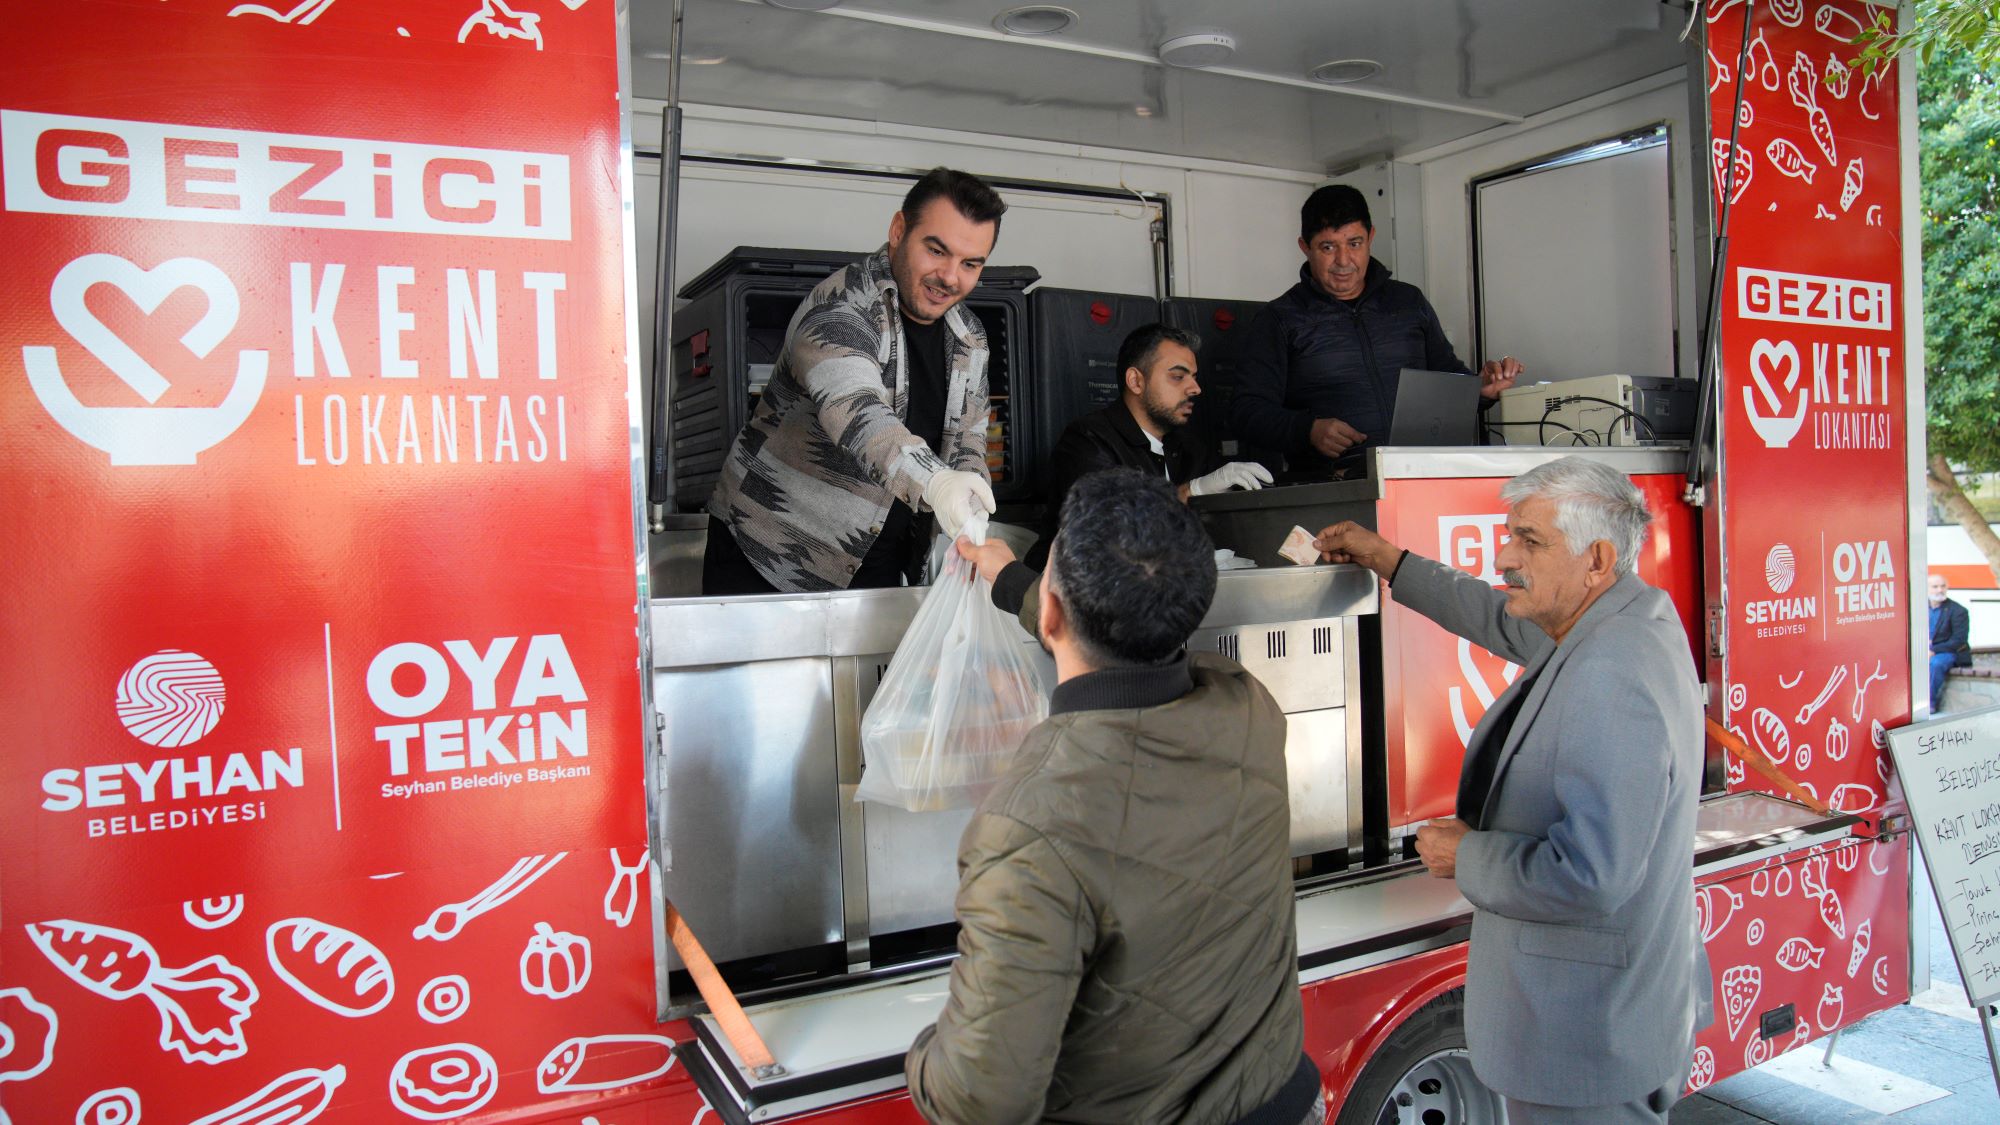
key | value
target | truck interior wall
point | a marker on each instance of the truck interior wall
(1233, 227)
(1448, 171)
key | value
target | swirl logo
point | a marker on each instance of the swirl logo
(170, 699)
(1780, 568)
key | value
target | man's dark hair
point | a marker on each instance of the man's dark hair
(1132, 567)
(966, 191)
(1332, 207)
(1142, 345)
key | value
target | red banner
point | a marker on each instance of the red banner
(325, 725)
(1437, 686)
(1815, 474)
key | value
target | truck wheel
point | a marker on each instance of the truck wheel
(1422, 1075)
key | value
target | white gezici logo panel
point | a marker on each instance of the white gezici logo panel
(92, 167)
(1841, 388)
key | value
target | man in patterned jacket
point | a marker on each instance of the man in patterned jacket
(876, 412)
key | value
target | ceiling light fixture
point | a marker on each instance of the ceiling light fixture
(1143, 110)
(1035, 19)
(804, 5)
(1198, 49)
(1340, 72)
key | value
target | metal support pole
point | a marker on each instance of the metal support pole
(1992, 1048)
(1832, 1041)
(663, 283)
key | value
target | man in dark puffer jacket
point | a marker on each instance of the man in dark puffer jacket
(1318, 371)
(1127, 949)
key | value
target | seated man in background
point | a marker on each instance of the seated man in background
(1126, 940)
(1951, 635)
(1144, 430)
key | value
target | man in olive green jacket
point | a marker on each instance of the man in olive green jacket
(1126, 946)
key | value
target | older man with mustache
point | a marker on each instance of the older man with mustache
(1576, 808)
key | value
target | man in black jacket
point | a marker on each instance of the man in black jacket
(1951, 637)
(1317, 375)
(1144, 430)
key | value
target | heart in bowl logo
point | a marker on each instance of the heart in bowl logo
(1763, 402)
(144, 435)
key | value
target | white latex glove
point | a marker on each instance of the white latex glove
(957, 496)
(1246, 475)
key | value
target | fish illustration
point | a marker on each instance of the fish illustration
(1797, 955)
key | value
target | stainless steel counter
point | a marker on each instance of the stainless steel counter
(760, 701)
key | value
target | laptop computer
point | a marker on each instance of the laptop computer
(1435, 408)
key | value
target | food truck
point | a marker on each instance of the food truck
(372, 754)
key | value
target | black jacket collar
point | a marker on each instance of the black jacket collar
(1124, 689)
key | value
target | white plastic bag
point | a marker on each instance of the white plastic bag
(960, 694)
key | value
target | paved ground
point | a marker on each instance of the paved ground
(1922, 1062)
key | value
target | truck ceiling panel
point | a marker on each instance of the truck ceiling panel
(939, 64)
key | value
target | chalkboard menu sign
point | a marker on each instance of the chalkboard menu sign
(1950, 769)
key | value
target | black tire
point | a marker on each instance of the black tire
(1424, 1060)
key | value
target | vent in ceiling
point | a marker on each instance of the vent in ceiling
(1342, 71)
(1035, 19)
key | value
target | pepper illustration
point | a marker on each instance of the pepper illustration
(555, 964)
(202, 1006)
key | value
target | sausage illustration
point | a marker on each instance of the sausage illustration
(292, 1099)
(1836, 24)
(603, 1062)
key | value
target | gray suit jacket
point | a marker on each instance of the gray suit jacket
(1587, 971)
